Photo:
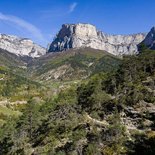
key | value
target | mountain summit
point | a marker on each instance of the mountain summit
(86, 35)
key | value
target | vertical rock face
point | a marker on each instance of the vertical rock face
(150, 39)
(20, 46)
(86, 35)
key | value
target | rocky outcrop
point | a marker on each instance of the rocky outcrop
(86, 35)
(20, 46)
(149, 41)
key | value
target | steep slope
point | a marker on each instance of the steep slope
(10, 59)
(21, 46)
(12, 62)
(86, 35)
(149, 41)
(72, 64)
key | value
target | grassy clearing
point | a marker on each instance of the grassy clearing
(8, 112)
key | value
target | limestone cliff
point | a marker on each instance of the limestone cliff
(20, 46)
(86, 35)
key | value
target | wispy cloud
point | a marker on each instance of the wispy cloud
(72, 7)
(59, 11)
(33, 30)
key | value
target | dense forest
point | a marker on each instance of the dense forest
(108, 113)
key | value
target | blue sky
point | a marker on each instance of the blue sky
(40, 20)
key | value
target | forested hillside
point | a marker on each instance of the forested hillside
(73, 64)
(15, 91)
(109, 113)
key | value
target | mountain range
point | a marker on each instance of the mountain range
(77, 51)
(74, 36)
(89, 93)
(86, 35)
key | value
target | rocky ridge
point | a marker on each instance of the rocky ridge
(21, 46)
(149, 41)
(86, 35)
(75, 36)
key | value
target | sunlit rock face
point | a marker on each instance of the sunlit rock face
(86, 35)
(21, 46)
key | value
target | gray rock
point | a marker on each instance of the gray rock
(86, 35)
(149, 41)
(21, 46)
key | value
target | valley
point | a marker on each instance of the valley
(78, 100)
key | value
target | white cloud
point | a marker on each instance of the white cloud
(72, 7)
(57, 12)
(33, 30)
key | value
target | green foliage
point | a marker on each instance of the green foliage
(144, 144)
(77, 64)
(84, 118)
(142, 47)
(91, 149)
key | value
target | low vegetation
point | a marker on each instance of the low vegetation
(110, 113)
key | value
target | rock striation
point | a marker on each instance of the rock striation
(21, 46)
(149, 41)
(86, 35)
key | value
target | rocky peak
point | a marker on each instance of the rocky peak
(150, 39)
(86, 35)
(78, 29)
(153, 29)
(21, 46)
